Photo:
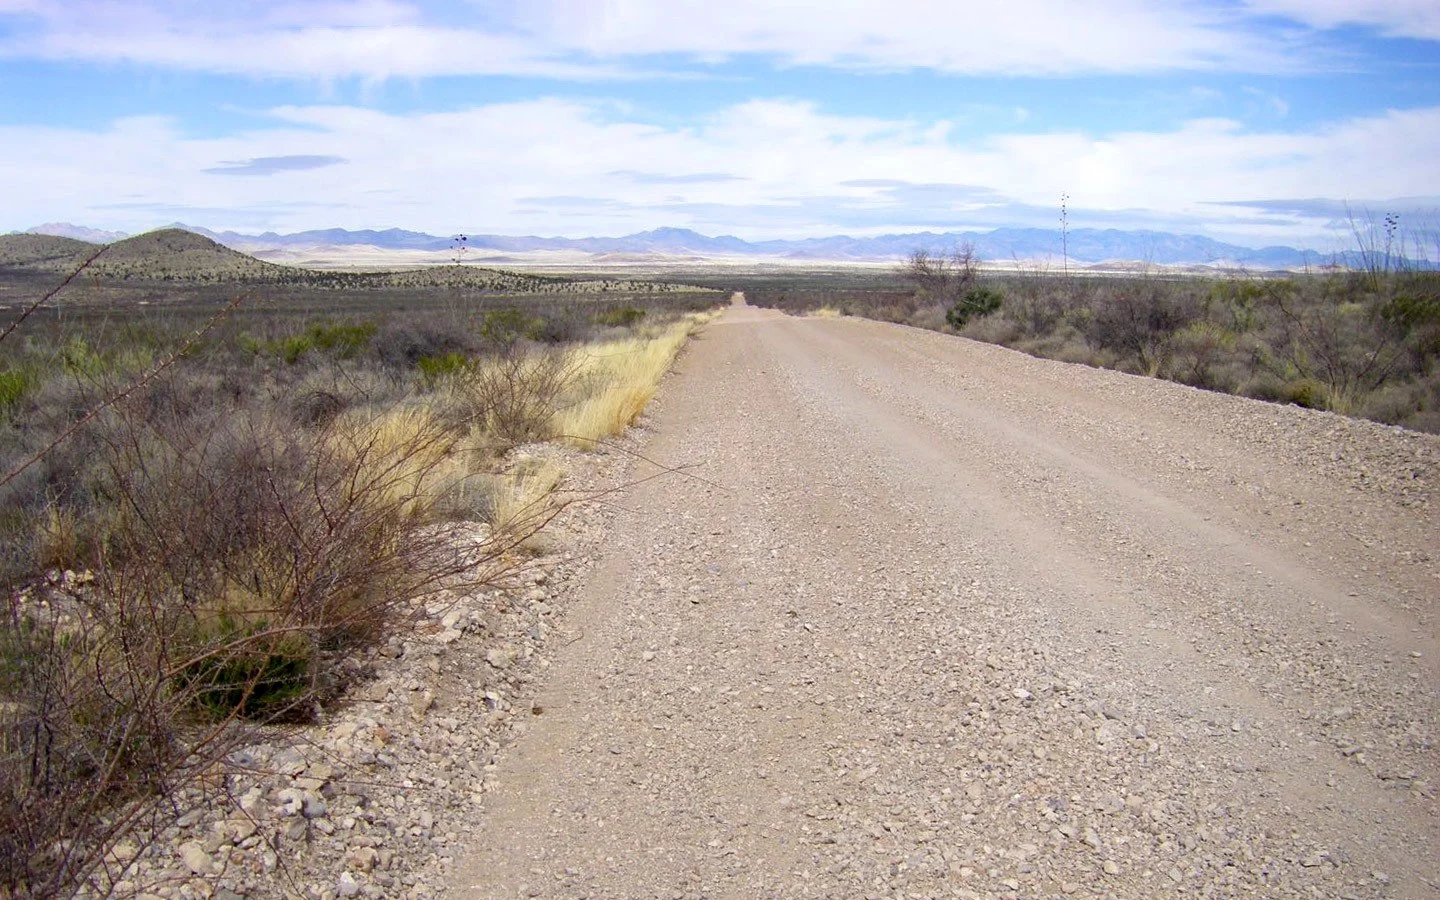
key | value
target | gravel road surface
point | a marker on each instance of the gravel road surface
(931, 618)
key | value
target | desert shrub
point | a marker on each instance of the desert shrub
(240, 561)
(435, 369)
(241, 668)
(1263, 385)
(1035, 303)
(1237, 304)
(1332, 332)
(1139, 319)
(622, 317)
(317, 408)
(236, 531)
(401, 346)
(79, 733)
(335, 340)
(929, 316)
(340, 341)
(1198, 353)
(1393, 404)
(343, 340)
(1362, 335)
(1306, 392)
(510, 399)
(509, 325)
(1066, 344)
(79, 359)
(1413, 310)
(292, 348)
(974, 302)
(1001, 330)
(15, 384)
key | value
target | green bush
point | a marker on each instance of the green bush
(77, 357)
(344, 341)
(15, 385)
(292, 348)
(1305, 392)
(439, 367)
(506, 326)
(624, 317)
(240, 670)
(975, 302)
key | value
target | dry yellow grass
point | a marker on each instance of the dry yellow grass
(523, 498)
(616, 380)
(425, 469)
(827, 312)
(401, 453)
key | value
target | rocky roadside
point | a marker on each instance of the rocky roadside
(377, 798)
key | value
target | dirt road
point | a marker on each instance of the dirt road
(945, 620)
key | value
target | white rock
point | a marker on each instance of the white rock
(195, 858)
(500, 657)
(362, 858)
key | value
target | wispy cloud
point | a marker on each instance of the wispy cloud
(271, 165)
(479, 169)
(572, 202)
(1342, 213)
(1396, 18)
(693, 178)
(582, 39)
(982, 37)
(373, 40)
(1272, 103)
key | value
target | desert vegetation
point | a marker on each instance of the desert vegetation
(1361, 341)
(211, 504)
(170, 257)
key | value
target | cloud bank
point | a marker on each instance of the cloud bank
(764, 168)
(584, 39)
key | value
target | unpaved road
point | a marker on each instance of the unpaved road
(944, 620)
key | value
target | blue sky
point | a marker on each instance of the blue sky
(1255, 121)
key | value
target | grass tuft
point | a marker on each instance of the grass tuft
(616, 381)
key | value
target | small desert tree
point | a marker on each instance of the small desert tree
(950, 283)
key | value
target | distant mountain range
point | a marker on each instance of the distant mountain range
(1088, 246)
(78, 232)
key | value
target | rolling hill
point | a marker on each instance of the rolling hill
(42, 252)
(178, 256)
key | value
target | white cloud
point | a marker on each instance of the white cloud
(1396, 18)
(979, 36)
(373, 40)
(378, 39)
(763, 168)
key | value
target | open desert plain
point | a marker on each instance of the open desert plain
(826, 449)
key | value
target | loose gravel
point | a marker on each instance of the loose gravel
(930, 618)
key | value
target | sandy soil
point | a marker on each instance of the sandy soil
(930, 618)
